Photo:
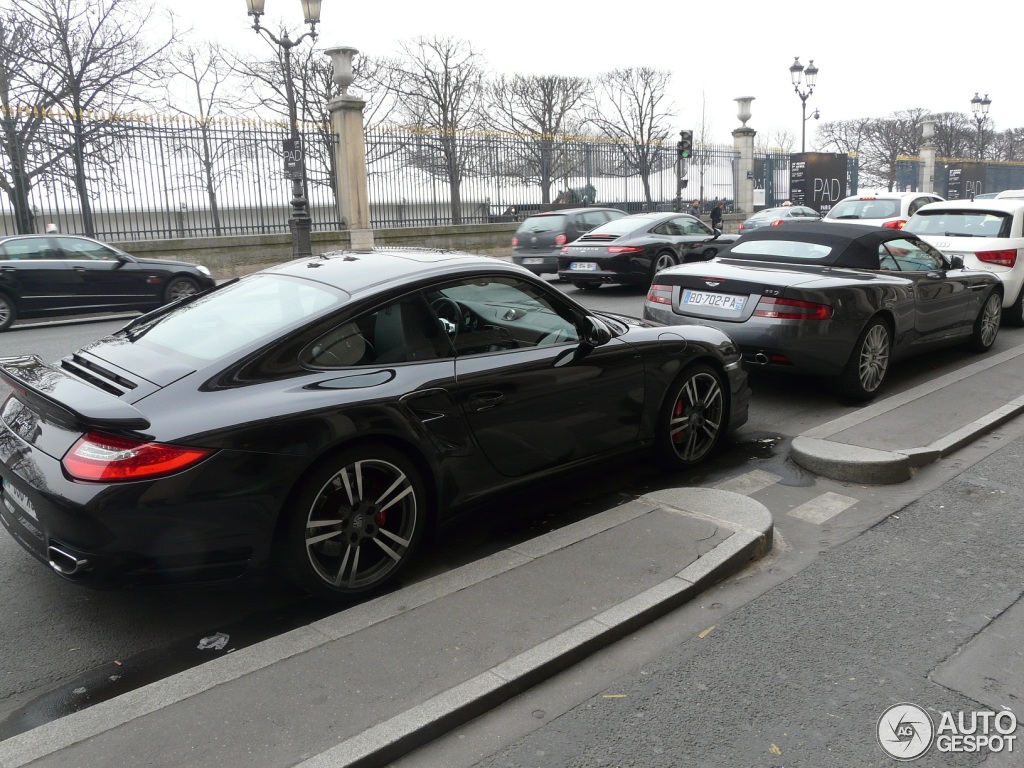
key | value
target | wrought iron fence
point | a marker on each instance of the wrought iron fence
(131, 177)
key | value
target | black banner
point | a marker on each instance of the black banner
(293, 159)
(965, 180)
(817, 179)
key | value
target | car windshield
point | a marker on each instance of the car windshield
(543, 224)
(960, 223)
(865, 208)
(790, 249)
(223, 322)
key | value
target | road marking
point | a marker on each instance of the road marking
(822, 508)
(749, 482)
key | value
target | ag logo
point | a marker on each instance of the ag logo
(905, 731)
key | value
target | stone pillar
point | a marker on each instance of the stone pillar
(350, 154)
(743, 142)
(927, 153)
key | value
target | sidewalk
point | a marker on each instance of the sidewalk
(374, 682)
(888, 441)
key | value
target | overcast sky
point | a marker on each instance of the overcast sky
(874, 56)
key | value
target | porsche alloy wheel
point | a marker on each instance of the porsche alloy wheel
(663, 260)
(695, 417)
(869, 362)
(356, 522)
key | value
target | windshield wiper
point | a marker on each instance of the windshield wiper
(848, 216)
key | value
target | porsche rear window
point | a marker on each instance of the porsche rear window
(789, 249)
(960, 223)
(543, 224)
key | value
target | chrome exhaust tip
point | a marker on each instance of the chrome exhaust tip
(761, 358)
(64, 563)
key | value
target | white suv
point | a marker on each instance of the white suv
(881, 209)
(989, 234)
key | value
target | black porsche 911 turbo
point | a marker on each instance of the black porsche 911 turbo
(632, 249)
(842, 300)
(322, 414)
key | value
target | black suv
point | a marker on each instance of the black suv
(539, 240)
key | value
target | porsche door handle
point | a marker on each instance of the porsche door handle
(485, 401)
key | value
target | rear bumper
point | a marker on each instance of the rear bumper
(538, 261)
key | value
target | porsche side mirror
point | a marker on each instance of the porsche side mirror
(595, 333)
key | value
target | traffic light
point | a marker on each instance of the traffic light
(685, 144)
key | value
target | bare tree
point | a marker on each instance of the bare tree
(1009, 145)
(98, 58)
(541, 108)
(953, 134)
(441, 90)
(630, 107)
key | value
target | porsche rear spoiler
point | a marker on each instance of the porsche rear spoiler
(55, 393)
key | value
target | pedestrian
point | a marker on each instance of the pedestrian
(716, 218)
(695, 208)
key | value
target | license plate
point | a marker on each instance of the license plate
(533, 260)
(583, 266)
(727, 301)
(12, 494)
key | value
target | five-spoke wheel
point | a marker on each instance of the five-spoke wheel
(694, 418)
(356, 522)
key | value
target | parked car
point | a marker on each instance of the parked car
(986, 234)
(324, 413)
(55, 275)
(773, 217)
(632, 249)
(838, 300)
(881, 209)
(539, 239)
(1016, 194)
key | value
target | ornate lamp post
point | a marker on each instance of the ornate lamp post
(980, 107)
(799, 75)
(299, 222)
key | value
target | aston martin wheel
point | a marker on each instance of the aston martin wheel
(663, 260)
(693, 418)
(7, 312)
(869, 362)
(355, 522)
(179, 287)
(986, 326)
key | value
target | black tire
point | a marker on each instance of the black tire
(986, 325)
(869, 362)
(709, 253)
(582, 286)
(8, 312)
(694, 416)
(1014, 314)
(179, 287)
(663, 260)
(368, 508)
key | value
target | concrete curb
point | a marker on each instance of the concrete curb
(814, 451)
(752, 537)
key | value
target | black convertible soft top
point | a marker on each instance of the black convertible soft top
(853, 246)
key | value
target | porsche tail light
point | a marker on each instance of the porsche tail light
(660, 294)
(108, 458)
(1006, 258)
(741, 227)
(898, 224)
(624, 249)
(561, 239)
(777, 223)
(515, 241)
(791, 309)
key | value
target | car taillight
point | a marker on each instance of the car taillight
(624, 249)
(515, 241)
(1005, 258)
(791, 309)
(898, 224)
(561, 239)
(113, 459)
(660, 294)
(777, 223)
(741, 227)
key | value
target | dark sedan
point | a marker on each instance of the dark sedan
(774, 217)
(323, 414)
(631, 250)
(840, 300)
(55, 275)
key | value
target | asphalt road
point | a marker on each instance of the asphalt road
(63, 647)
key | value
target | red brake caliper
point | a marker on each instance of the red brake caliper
(677, 411)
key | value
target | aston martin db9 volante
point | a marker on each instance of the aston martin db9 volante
(843, 300)
(632, 249)
(322, 414)
(54, 275)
